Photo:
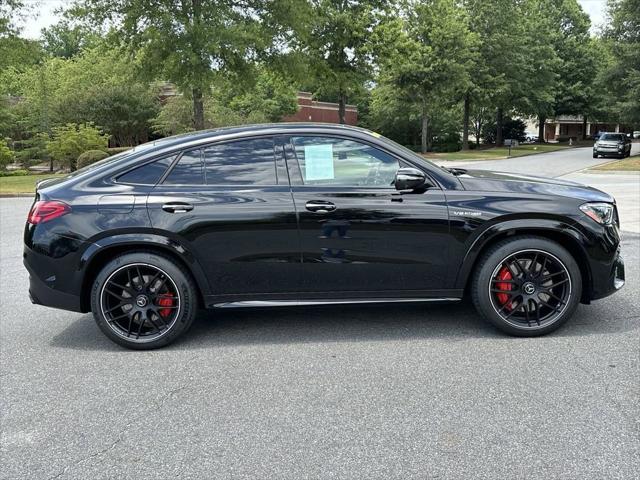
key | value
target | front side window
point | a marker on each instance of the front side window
(147, 174)
(336, 161)
(188, 171)
(241, 162)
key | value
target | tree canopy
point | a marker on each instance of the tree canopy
(426, 73)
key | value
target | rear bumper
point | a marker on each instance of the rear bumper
(43, 292)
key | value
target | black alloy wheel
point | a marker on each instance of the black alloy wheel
(530, 288)
(527, 286)
(143, 300)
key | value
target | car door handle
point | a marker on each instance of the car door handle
(320, 206)
(177, 207)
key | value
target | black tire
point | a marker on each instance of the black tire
(125, 296)
(510, 252)
(595, 155)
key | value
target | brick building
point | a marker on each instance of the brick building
(564, 127)
(310, 110)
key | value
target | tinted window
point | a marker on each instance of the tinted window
(148, 174)
(243, 162)
(188, 170)
(334, 161)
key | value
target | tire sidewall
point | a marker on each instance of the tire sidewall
(182, 280)
(480, 288)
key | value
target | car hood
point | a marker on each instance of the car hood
(489, 181)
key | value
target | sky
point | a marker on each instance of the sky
(46, 15)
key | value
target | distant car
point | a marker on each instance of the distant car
(532, 138)
(612, 144)
(636, 134)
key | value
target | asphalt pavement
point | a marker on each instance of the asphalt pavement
(380, 392)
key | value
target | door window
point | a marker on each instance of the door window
(336, 161)
(242, 162)
(188, 171)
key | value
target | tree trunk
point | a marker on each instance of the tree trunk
(198, 109)
(499, 139)
(465, 123)
(425, 127)
(342, 107)
(541, 121)
(584, 127)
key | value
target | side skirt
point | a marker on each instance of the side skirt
(342, 301)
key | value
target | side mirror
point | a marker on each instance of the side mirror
(410, 179)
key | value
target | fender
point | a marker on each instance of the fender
(478, 241)
(149, 240)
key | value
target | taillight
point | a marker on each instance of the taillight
(43, 211)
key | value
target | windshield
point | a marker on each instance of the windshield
(613, 136)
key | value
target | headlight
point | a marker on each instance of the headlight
(599, 212)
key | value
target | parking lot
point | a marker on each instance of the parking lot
(410, 391)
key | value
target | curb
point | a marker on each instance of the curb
(16, 195)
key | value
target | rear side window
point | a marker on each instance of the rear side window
(242, 162)
(147, 174)
(188, 171)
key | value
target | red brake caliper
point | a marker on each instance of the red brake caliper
(503, 274)
(165, 301)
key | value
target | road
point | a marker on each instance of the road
(552, 164)
(375, 392)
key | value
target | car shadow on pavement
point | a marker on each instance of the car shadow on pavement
(344, 323)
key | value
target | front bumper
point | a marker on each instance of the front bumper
(608, 151)
(614, 282)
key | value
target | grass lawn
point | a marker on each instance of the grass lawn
(22, 184)
(628, 165)
(496, 153)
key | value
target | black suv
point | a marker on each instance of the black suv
(300, 214)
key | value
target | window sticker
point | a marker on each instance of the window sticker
(318, 162)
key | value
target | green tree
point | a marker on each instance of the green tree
(426, 53)
(267, 99)
(621, 78)
(190, 43)
(335, 43)
(65, 39)
(70, 140)
(6, 154)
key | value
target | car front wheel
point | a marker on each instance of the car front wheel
(143, 300)
(595, 155)
(527, 286)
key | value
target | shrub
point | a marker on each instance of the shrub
(70, 140)
(91, 156)
(6, 154)
(13, 173)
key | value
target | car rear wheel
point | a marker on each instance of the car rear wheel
(143, 300)
(527, 286)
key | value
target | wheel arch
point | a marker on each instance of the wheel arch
(567, 237)
(99, 254)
